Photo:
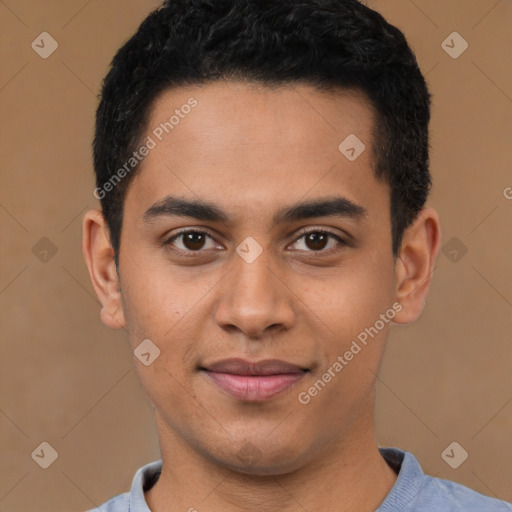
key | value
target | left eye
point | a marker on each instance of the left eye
(318, 240)
(314, 241)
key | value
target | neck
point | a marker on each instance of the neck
(350, 473)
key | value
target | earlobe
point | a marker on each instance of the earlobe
(113, 320)
(415, 265)
(99, 258)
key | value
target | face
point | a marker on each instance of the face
(278, 248)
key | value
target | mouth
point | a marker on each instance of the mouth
(253, 381)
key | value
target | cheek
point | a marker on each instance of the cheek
(348, 312)
(351, 357)
(168, 312)
(349, 302)
(154, 303)
(171, 351)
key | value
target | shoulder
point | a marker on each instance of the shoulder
(134, 500)
(439, 494)
(414, 491)
(119, 503)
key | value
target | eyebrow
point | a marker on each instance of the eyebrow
(206, 211)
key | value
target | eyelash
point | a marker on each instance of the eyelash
(301, 234)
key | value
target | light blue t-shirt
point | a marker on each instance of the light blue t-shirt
(413, 491)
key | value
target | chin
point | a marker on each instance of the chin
(251, 460)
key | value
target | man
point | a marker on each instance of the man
(262, 168)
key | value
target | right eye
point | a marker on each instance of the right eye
(189, 241)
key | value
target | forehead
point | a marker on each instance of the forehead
(252, 145)
(228, 111)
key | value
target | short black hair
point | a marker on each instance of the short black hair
(328, 44)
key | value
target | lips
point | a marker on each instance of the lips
(241, 367)
(254, 381)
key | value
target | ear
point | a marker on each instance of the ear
(415, 265)
(99, 258)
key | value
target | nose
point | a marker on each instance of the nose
(254, 299)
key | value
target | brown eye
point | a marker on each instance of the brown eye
(316, 241)
(190, 241)
(193, 241)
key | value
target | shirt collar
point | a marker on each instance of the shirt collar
(409, 483)
(144, 479)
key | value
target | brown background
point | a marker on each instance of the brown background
(68, 380)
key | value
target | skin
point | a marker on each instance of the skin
(251, 151)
